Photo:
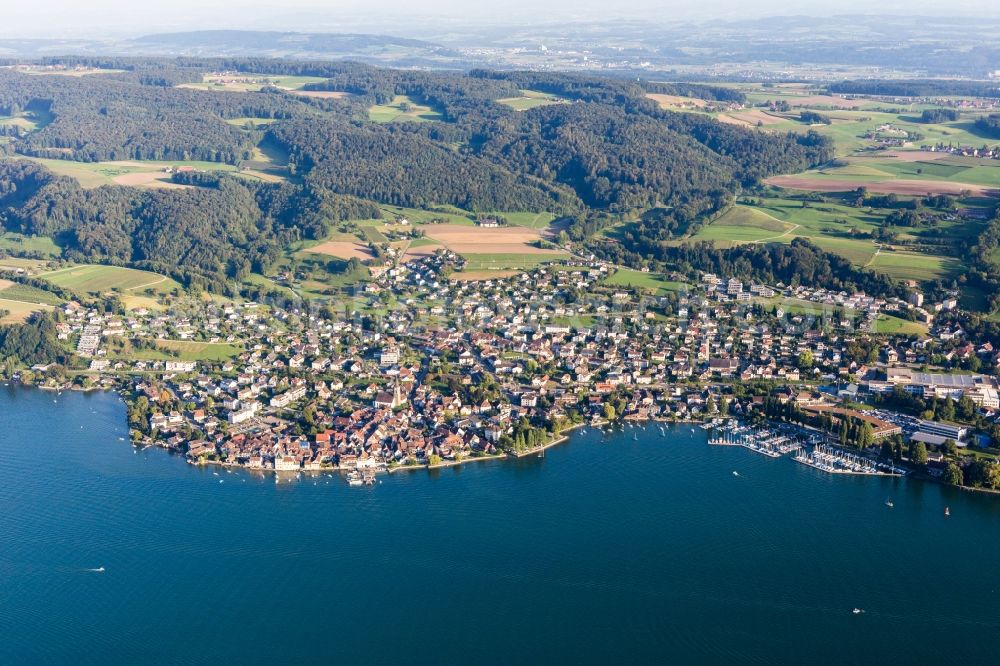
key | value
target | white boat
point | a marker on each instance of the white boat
(735, 473)
(889, 503)
(857, 611)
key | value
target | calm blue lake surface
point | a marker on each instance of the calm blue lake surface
(615, 548)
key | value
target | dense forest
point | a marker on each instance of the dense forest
(917, 88)
(609, 151)
(989, 125)
(200, 236)
(31, 343)
(103, 117)
(984, 272)
(938, 116)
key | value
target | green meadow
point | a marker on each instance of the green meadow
(530, 220)
(624, 277)
(402, 109)
(15, 242)
(183, 350)
(496, 261)
(28, 294)
(829, 226)
(99, 279)
(915, 266)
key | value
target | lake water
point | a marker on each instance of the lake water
(631, 547)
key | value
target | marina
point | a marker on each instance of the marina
(836, 461)
(775, 444)
(770, 443)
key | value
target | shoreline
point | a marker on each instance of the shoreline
(561, 437)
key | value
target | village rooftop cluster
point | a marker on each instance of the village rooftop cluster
(419, 369)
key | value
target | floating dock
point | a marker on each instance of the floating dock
(760, 440)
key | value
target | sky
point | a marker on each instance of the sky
(113, 18)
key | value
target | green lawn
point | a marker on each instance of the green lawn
(448, 214)
(14, 242)
(182, 350)
(530, 220)
(624, 277)
(889, 325)
(201, 351)
(98, 279)
(743, 224)
(403, 108)
(914, 266)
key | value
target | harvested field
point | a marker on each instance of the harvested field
(475, 240)
(4, 284)
(673, 101)
(19, 311)
(419, 251)
(905, 187)
(750, 118)
(149, 179)
(342, 250)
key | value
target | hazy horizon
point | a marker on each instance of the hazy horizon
(118, 18)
